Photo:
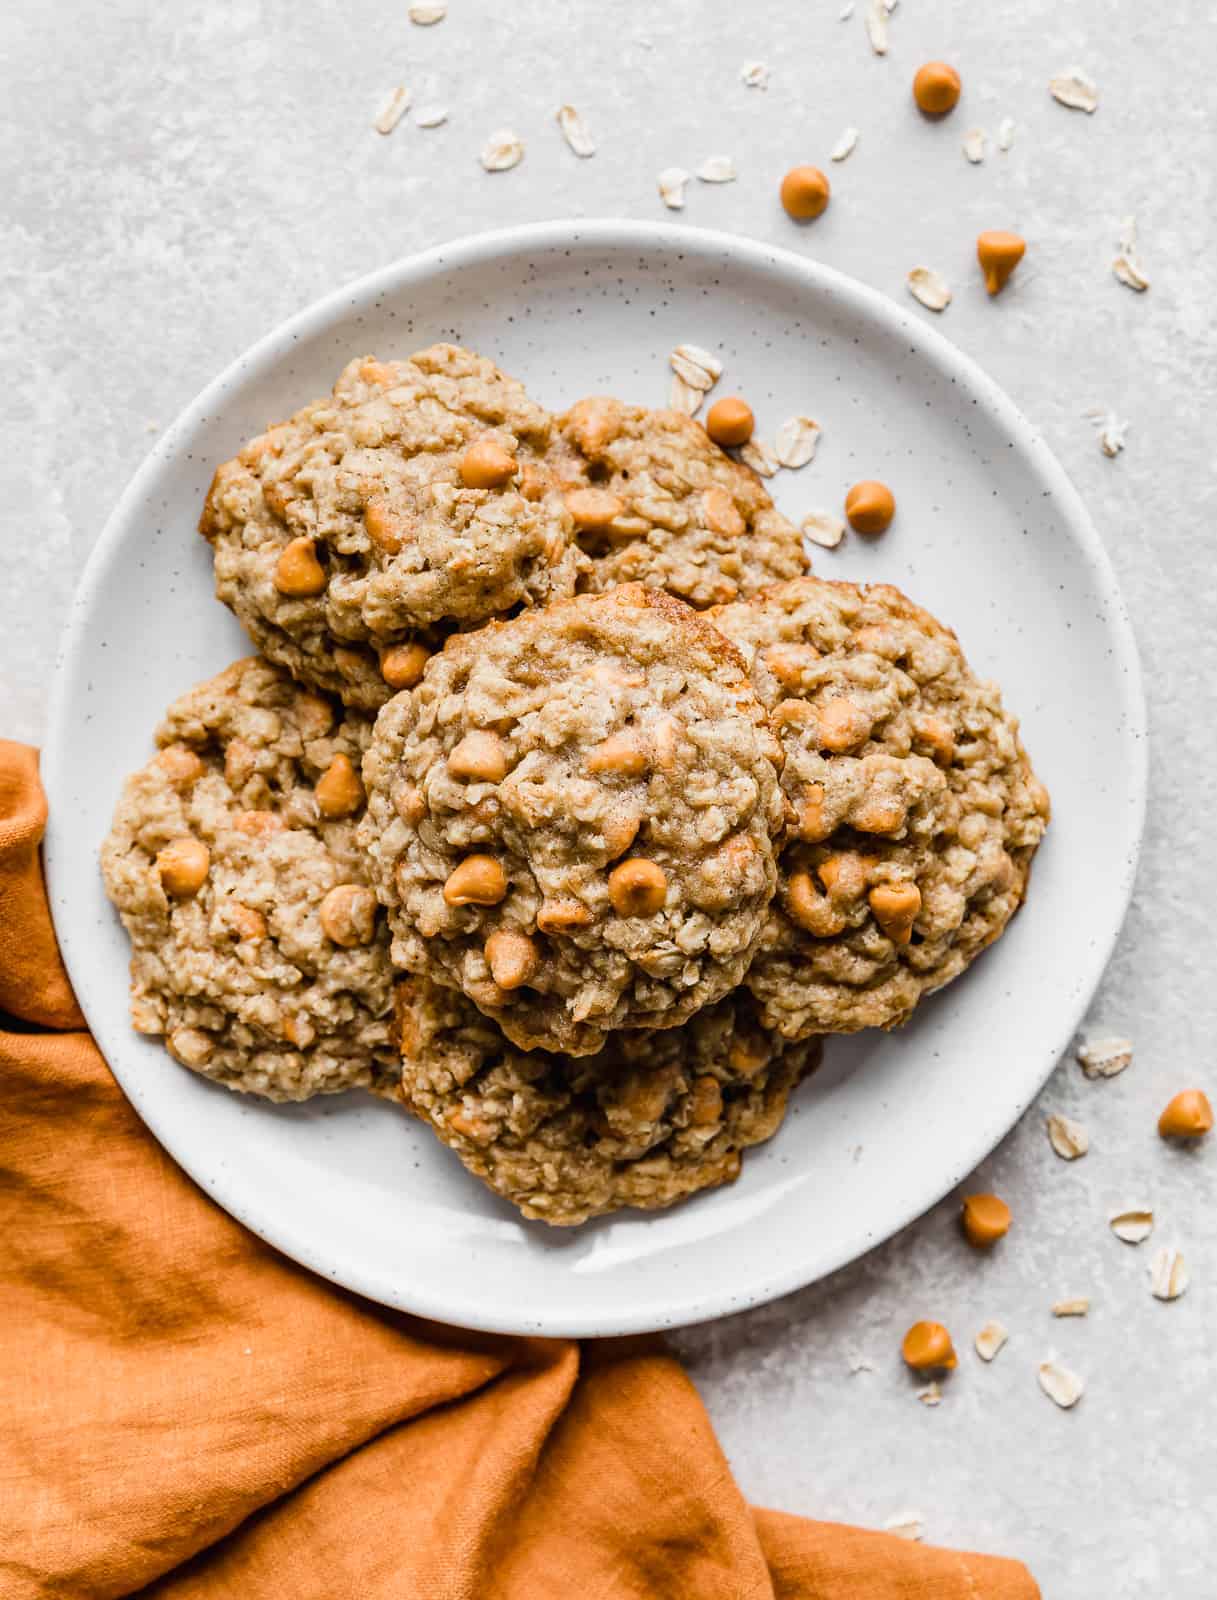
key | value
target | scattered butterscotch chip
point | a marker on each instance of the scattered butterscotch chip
(502, 151)
(931, 1395)
(1104, 1058)
(805, 193)
(845, 145)
(700, 369)
(576, 132)
(1133, 1226)
(975, 143)
(1074, 89)
(1068, 1138)
(796, 441)
(1168, 1274)
(730, 422)
(757, 455)
(929, 288)
(927, 1347)
(870, 507)
(755, 74)
(822, 528)
(999, 253)
(936, 88)
(985, 1219)
(1127, 266)
(1188, 1116)
(1077, 1307)
(717, 169)
(393, 110)
(1061, 1386)
(906, 1525)
(990, 1340)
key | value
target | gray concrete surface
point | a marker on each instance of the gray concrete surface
(177, 178)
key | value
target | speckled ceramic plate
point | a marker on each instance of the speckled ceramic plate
(990, 535)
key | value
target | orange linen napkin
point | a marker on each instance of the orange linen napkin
(184, 1413)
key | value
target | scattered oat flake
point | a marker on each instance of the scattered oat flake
(575, 132)
(1127, 266)
(906, 1525)
(1133, 1226)
(1005, 134)
(1103, 1058)
(393, 110)
(430, 116)
(425, 15)
(700, 368)
(859, 1364)
(1168, 1274)
(796, 441)
(1077, 1307)
(1068, 1138)
(930, 288)
(1060, 1385)
(931, 1395)
(1074, 89)
(755, 74)
(672, 181)
(975, 142)
(845, 145)
(717, 169)
(502, 151)
(990, 1340)
(846, 11)
(1112, 435)
(757, 455)
(822, 528)
(877, 13)
(684, 397)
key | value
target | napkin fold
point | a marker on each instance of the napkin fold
(186, 1414)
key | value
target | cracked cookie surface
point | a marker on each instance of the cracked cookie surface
(914, 810)
(572, 818)
(650, 1119)
(406, 504)
(258, 950)
(655, 501)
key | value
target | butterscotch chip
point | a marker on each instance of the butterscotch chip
(389, 511)
(915, 811)
(272, 976)
(671, 510)
(648, 1120)
(624, 722)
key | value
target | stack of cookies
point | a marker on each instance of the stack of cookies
(562, 805)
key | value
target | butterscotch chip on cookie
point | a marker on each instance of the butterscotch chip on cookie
(259, 953)
(650, 1119)
(655, 501)
(572, 818)
(408, 503)
(915, 812)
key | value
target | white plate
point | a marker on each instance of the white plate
(990, 535)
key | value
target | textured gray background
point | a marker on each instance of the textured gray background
(177, 178)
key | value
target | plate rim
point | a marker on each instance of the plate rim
(446, 1303)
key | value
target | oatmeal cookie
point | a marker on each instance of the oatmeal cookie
(648, 1120)
(572, 818)
(258, 950)
(408, 503)
(915, 809)
(656, 501)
